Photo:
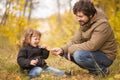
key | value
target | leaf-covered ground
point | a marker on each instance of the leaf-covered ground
(9, 69)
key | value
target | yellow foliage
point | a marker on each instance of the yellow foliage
(117, 76)
(42, 75)
(18, 78)
(62, 27)
(13, 30)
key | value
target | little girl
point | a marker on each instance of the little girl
(31, 57)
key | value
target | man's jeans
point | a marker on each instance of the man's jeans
(36, 71)
(92, 61)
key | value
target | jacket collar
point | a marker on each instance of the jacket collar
(29, 46)
(88, 25)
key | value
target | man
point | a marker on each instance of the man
(93, 47)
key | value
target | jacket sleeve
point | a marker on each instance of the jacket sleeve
(22, 59)
(98, 38)
(45, 53)
(75, 40)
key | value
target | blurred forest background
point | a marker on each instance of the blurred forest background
(56, 29)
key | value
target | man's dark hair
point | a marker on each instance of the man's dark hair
(84, 6)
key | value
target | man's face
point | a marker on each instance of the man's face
(82, 18)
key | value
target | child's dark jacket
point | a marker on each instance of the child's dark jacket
(28, 53)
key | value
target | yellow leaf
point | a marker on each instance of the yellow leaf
(42, 75)
(117, 76)
(18, 78)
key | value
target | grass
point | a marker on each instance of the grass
(9, 69)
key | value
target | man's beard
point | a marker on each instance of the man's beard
(82, 23)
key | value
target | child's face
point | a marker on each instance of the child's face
(35, 39)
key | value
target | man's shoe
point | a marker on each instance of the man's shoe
(105, 72)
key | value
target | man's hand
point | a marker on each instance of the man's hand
(56, 51)
(34, 62)
(69, 56)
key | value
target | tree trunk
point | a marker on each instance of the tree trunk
(5, 15)
(70, 5)
(58, 13)
(30, 7)
(25, 6)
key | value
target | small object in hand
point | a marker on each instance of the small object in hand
(69, 73)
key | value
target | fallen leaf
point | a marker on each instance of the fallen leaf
(117, 76)
(18, 78)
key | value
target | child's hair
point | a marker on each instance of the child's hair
(27, 36)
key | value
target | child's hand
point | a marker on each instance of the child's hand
(34, 62)
(56, 51)
(43, 46)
